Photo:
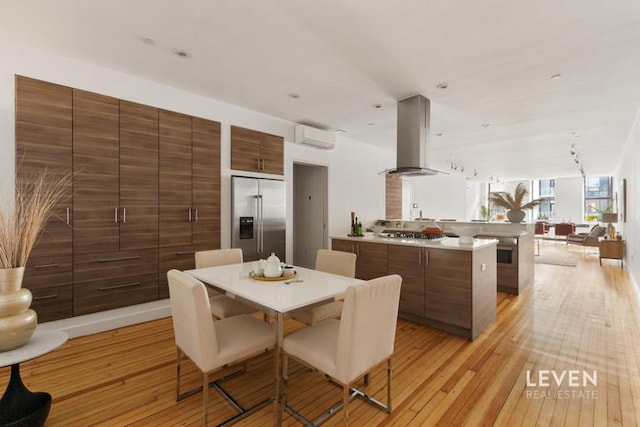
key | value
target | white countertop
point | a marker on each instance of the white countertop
(444, 243)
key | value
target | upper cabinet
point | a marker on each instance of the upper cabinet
(256, 151)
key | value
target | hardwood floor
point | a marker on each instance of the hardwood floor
(584, 318)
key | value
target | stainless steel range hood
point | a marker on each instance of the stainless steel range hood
(412, 147)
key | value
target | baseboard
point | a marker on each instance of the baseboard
(111, 319)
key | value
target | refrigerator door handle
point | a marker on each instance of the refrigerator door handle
(260, 228)
(257, 223)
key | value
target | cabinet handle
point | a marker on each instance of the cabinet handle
(426, 257)
(420, 257)
(262, 160)
(189, 214)
(125, 258)
(68, 215)
(124, 285)
(46, 265)
(45, 297)
(115, 215)
(259, 168)
(186, 253)
(196, 211)
(124, 215)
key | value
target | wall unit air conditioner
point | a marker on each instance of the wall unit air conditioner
(318, 138)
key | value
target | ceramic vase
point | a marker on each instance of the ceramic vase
(17, 321)
(515, 215)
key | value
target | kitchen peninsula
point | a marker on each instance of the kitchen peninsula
(445, 284)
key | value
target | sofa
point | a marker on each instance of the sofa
(592, 238)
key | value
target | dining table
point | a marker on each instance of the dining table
(275, 296)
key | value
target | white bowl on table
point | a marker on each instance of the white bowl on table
(377, 229)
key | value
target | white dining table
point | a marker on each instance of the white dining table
(307, 288)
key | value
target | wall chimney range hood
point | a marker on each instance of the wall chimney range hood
(413, 138)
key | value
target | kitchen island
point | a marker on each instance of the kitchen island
(445, 284)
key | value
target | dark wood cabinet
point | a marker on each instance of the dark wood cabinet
(256, 151)
(143, 197)
(447, 289)
(189, 191)
(453, 290)
(44, 142)
(371, 261)
(116, 202)
(408, 262)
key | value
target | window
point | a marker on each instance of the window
(546, 190)
(597, 196)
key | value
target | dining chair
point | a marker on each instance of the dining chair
(328, 261)
(222, 306)
(349, 348)
(212, 345)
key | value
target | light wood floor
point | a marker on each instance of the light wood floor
(584, 318)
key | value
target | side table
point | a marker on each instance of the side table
(612, 249)
(19, 406)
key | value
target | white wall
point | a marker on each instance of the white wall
(354, 183)
(439, 196)
(630, 230)
(568, 194)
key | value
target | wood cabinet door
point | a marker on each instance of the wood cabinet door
(371, 261)
(245, 149)
(175, 166)
(272, 154)
(44, 142)
(343, 245)
(96, 176)
(448, 277)
(206, 184)
(408, 262)
(138, 176)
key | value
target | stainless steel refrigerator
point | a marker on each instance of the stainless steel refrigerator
(258, 217)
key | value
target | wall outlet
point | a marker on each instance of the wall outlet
(483, 266)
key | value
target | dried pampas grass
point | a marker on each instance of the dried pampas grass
(36, 196)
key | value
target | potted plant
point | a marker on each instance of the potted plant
(514, 203)
(21, 223)
(484, 213)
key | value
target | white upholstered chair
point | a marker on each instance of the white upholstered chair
(221, 305)
(211, 344)
(347, 349)
(335, 262)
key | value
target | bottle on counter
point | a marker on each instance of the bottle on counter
(359, 229)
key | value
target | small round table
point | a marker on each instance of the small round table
(19, 406)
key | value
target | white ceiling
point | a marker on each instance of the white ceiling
(344, 56)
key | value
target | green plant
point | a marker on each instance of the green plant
(515, 201)
(484, 213)
(22, 221)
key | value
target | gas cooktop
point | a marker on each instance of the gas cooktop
(416, 236)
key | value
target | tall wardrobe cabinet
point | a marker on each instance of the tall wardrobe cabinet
(145, 195)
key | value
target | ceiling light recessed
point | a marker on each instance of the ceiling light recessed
(341, 130)
(294, 96)
(377, 106)
(370, 124)
(442, 85)
(182, 53)
(439, 134)
(556, 76)
(148, 40)
(485, 125)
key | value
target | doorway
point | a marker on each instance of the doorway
(310, 212)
